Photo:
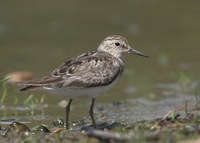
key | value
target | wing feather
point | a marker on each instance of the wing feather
(91, 69)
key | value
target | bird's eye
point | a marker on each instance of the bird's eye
(117, 44)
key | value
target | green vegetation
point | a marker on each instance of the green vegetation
(173, 127)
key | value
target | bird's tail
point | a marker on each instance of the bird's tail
(27, 86)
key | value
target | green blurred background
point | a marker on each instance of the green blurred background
(40, 35)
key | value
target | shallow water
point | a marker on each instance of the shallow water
(40, 36)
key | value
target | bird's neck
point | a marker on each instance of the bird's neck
(111, 51)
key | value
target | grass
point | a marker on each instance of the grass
(159, 130)
(175, 126)
(4, 87)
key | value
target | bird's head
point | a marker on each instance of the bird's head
(117, 45)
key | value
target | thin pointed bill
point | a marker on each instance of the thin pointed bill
(133, 51)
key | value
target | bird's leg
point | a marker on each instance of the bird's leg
(67, 110)
(91, 113)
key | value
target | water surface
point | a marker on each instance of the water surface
(38, 36)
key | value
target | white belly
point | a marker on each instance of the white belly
(90, 92)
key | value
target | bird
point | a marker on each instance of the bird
(88, 75)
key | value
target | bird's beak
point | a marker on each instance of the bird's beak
(133, 51)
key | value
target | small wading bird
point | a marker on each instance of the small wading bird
(88, 75)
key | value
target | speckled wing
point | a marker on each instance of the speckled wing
(91, 69)
(87, 70)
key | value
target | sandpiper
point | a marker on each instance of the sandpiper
(88, 75)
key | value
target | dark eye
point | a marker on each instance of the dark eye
(117, 44)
